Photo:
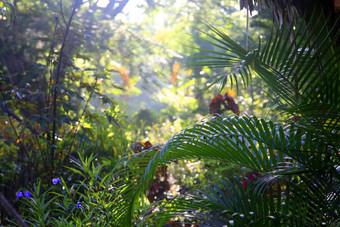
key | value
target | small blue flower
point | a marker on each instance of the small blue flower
(27, 194)
(78, 205)
(19, 194)
(56, 180)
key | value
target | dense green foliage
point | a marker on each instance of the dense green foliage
(295, 178)
(77, 81)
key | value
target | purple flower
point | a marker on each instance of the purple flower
(19, 194)
(56, 180)
(78, 205)
(27, 194)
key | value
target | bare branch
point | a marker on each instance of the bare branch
(11, 211)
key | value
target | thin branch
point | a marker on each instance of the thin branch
(251, 87)
(81, 116)
(119, 8)
(48, 61)
(62, 12)
(247, 27)
(10, 112)
(60, 58)
(11, 211)
(114, 12)
(14, 129)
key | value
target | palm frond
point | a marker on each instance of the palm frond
(270, 148)
(298, 64)
(301, 67)
(228, 203)
(248, 141)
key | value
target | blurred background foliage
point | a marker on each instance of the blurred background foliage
(96, 77)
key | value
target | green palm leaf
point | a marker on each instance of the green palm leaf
(301, 68)
(227, 203)
(267, 147)
(300, 65)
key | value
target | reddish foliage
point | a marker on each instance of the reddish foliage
(147, 145)
(160, 184)
(244, 183)
(214, 107)
(219, 97)
(296, 117)
(251, 176)
(231, 103)
(228, 102)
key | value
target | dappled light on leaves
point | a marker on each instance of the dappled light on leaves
(81, 82)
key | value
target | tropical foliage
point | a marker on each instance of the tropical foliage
(296, 160)
(69, 160)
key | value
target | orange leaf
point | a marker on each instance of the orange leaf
(175, 69)
(232, 93)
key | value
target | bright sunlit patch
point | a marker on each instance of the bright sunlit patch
(103, 3)
(132, 11)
